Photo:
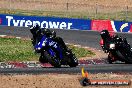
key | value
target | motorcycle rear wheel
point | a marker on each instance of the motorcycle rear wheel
(127, 60)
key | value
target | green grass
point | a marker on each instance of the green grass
(16, 50)
(12, 49)
(81, 52)
(112, 16)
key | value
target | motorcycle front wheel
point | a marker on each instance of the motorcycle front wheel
(44, 57)
(54, 60)
(109, 59)
(73, 61)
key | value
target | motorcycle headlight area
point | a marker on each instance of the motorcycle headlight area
(44, 43)
(38, 48)
(112, 46)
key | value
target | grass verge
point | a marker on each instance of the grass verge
(12, 49)
(68, 14)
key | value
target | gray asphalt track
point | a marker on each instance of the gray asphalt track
(84, 38)
(104, 68)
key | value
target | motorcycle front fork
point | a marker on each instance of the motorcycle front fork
(113, 58)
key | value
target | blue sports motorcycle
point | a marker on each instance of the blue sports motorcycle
(52, 48)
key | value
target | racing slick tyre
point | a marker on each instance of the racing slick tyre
(109, 59)
(73, 61)
(43, 58)
(122, 58)
(46, 57)
(129, 60)
(54, 61)
(130, 57)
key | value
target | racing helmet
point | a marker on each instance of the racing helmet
(34, 26)
(53, 33)
(104, 34)
(119, 39)
(34, 29)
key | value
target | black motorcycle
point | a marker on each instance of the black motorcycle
(52, 49)
(117, 48)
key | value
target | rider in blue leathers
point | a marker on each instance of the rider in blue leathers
(39, 32)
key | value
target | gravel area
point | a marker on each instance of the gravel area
(56, 80)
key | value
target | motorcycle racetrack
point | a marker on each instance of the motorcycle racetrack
(84, 38)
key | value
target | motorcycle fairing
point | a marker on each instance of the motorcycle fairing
(45, 42)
